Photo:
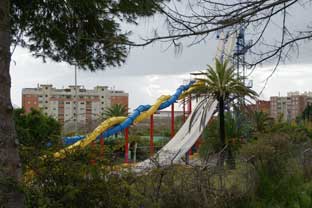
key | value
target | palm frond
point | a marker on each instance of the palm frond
(218, 81)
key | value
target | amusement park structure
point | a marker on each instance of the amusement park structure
(181, 142)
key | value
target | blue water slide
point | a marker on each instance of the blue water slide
(129, 121)
(72, 140)
(122, 126)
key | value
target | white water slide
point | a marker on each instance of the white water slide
(186, 137)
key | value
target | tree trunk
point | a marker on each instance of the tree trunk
(221, 130)
(10, 168)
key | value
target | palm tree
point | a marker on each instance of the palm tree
(220, 83)
(115, 110)
(261, 120)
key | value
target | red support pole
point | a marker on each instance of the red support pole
(102, 147)
(190, 151)
(126, 145)
(184, 118)
(172, 120)
(198, 143)
(152, 135)
(92, 160)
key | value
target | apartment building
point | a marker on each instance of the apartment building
(61, 103)
(260, 105)
(278, 106)
(290, 106)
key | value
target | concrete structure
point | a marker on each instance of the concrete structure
(290, 106)
(61, 103)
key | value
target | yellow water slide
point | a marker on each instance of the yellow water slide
(152, 110)
(191, 89)
(108, 124)
(92, 136)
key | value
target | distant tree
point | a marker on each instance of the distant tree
(307, 113)
(260, 120)
(115, 110)
(83, 33)
(35, 132)
(219, 82)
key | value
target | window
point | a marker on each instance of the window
(102, 96)
(68, 96)
(28, 102)
(46, 95)
(67, 102)
(82, 103)
(46, 101)
(102, 103)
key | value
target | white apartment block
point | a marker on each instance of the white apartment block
(291, 106)
(61, 103)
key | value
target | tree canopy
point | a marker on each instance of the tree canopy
(84, 33)
(36, 129)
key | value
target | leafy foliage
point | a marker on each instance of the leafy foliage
(270, 175)
(36, 132)
(74, 182)
(36, 129)
(260, 120)
(220, 81)
(276, 158)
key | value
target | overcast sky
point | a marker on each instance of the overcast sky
(152, 71)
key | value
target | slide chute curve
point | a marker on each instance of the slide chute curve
(115, 125)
